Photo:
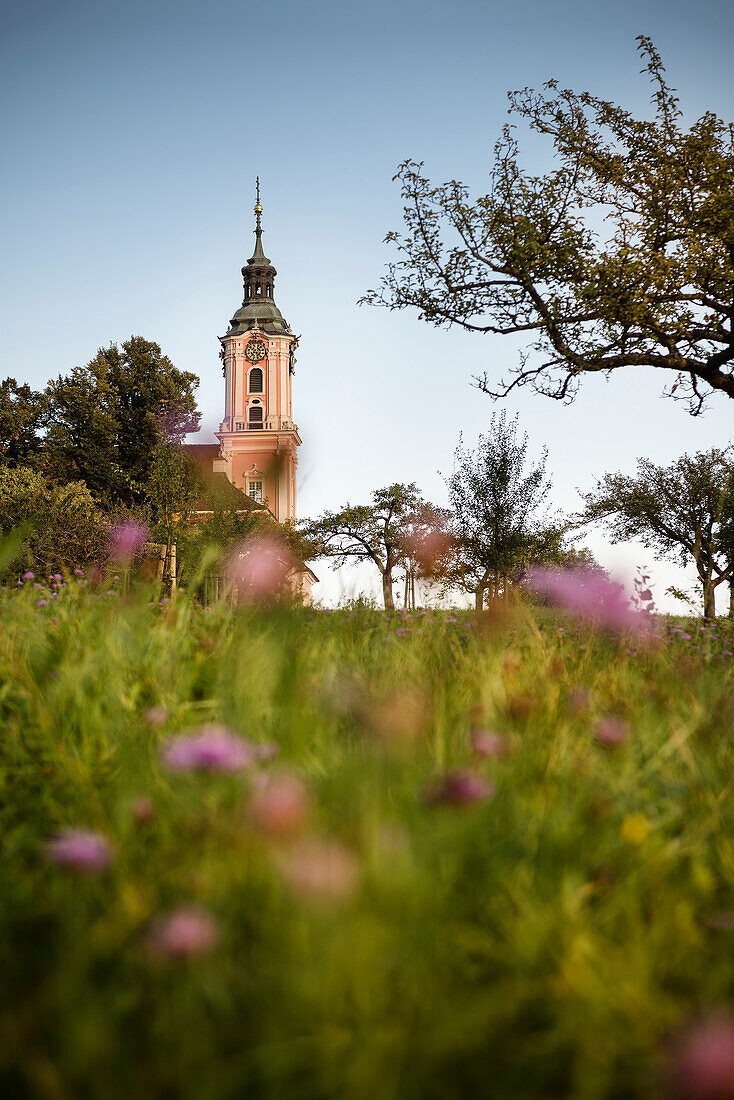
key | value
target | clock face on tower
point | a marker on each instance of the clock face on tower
(256, 350)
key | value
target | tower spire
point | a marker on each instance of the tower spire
(258, 256)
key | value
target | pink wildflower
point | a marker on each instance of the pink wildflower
(143, 810)
(156, 716)
(703, 1066)
(266, 751)
(259, 568)
(486, 743)
(578, 698)
(588, 594)
(127, 540)
(29, 576)
(212, 748)
(611, 731)
(183, 934)
(280, 805)
(321, 872)
(80, 849)
(459, 788)
(428, 548)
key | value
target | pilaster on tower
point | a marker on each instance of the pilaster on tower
(258, 437)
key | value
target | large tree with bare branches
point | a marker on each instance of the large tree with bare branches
(622, 256)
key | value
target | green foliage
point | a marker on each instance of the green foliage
(623, 255)
(172, 490)
(546, 942)
(106, 419)
(684, 511)
(63, 527)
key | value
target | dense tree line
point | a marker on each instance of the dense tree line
(99, 448)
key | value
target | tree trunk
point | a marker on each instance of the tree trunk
(731, 600)
(709, 599)
(479, 598)
(387, 590)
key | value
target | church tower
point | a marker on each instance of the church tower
(258, 439)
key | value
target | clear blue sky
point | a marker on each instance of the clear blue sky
(132, 131)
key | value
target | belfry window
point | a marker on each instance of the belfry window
(256, 380)
(255, 415)
(255, 490)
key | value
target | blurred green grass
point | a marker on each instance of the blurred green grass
(544, 942)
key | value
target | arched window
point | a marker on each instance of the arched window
(256, 380)
(255, 414)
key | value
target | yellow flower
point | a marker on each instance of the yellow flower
(635, 829)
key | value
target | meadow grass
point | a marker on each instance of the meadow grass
(546, 932)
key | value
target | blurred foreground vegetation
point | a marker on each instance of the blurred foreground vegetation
(543, 923)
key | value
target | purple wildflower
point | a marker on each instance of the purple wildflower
(79, 849)
(143, 810)
(42, 603)
(321, 872)
(78, 572)
(259, 568)
(127, 540)
(280, 804)
(587, 594)
(486, 743)
(156, 716)
(267, 751)
(459, 788)
(703, 1065)
(212, 748)
(29, 576)
(611, 731)
(183, 934)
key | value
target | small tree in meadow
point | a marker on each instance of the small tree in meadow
(496, 497)
(369, 532)
(683, 511)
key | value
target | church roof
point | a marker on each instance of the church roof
(260, 313)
